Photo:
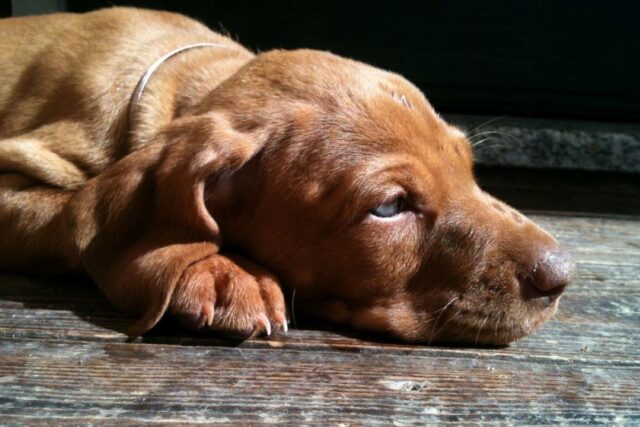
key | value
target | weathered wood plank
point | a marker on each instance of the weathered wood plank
(579, 317)
(205, 384)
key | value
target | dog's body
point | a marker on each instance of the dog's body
(67, 82)
(334, 175)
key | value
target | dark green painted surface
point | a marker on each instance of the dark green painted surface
(539, 58)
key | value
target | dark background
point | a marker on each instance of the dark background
(573, 59)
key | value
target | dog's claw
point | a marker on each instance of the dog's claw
(196, 320)
(207, 311)
(263, 325)
(282, 321)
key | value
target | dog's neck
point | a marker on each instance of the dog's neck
(134, 104)
(175, 82)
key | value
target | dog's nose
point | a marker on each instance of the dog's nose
(553, 271)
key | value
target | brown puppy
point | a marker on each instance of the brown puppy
(337, 177)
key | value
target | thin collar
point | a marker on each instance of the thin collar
(142, 83)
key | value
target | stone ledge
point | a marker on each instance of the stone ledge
(553, 143)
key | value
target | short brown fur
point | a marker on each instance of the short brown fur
(241, 173)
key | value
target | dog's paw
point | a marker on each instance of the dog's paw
(231, 296)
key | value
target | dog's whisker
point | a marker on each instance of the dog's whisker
(496, 132)
(486, 147)
(485, 123)
(453, 316)
(441, 310)
(513, 325)
(487, 132)
(446, 305)
(476, 143)
(434, 315)
(497, 324)
(480, 329)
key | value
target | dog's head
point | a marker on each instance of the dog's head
(362, 199)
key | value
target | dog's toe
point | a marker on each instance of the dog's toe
(233, 301)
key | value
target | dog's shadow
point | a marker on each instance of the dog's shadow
(78, 296)
(86, 312)
(53, 297)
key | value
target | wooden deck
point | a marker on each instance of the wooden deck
(63, 359)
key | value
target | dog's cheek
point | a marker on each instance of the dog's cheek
(394, 250)
(397, 318)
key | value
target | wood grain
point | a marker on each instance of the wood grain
(64, 359)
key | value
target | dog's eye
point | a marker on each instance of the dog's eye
(389, 209)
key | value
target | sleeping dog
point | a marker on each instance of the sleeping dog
(185, 174)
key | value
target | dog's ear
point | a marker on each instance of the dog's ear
(132, 225)
(197, 150)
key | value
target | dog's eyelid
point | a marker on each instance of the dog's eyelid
(389, 209)
(393, 205)
(391, 196)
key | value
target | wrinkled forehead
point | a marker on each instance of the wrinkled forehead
(355, 116)
(390, 116)
(382, 142)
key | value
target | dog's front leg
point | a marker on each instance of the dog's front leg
(201, 287)
(142, 231)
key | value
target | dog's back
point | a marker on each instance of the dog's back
(21, 41)
(66, 82)
(81, 67)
